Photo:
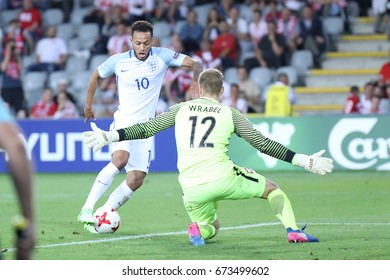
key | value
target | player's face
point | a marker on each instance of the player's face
(142, 42)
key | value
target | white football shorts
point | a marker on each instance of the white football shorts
(140, 150)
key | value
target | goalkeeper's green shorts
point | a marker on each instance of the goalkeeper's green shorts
(201, 202)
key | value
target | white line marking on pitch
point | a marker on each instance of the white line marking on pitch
(139, 236)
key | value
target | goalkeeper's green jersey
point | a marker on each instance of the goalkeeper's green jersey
(203, 128)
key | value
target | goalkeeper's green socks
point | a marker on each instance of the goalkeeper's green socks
(281, 206)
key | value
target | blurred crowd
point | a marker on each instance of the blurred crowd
(235, 36)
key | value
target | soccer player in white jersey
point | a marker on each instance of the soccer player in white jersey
(203, 128)
(22, 176)
(139, 75)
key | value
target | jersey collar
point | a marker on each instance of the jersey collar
(211, 99)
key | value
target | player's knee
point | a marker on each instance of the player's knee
(135, 179)
(120, 160)
(269, 187)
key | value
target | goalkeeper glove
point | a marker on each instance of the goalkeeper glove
(314, 163)
(98, 138)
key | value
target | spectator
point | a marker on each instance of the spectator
(45, 107)
(250, 89)
(12, 86)
(258, 5)
(111, 18)
(279, 97)
(384, 105)
(110, 99)
(11, 4)
(311, 36)
(1, 39)
(98, 11)
(238, 26)
(270, 51)
(191, 33)
(365, 106)
(294, 5)
(116, 41)
(211, 30)
(171, 11)
(236, 99)
(352, 103)
(30, 21)
(336, 8)
(140, 10)
(257, 27)
(376, 99)
(14, 33)
(206, 57)
(63, 86)
(382, 91)
(51, 53)
(226, 89)
(288, 26)
(226, 46)
(177, 82)
(66, 109)
(384, 72)
(106, 101)
(380, 12)
(176, 43)
(223, 7)
(273, 12)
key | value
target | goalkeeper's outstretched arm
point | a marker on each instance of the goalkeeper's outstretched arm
(315, 163)
(98, 138)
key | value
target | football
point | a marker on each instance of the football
(107, 220)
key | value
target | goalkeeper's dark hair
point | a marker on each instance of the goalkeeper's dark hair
(142, 26)
(211, 81)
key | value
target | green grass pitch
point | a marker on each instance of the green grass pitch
(348, 211)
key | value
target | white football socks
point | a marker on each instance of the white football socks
(119, 196)
(101, 184)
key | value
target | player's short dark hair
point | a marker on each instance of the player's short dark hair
(282, 75)
(142, 26)
(211, 81)
(354, 89)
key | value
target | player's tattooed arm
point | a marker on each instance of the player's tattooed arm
(197, 68)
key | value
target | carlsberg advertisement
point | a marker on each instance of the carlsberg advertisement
(354, 143)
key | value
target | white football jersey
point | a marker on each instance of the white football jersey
(139, 81)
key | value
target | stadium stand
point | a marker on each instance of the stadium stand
(53, 16)
(350, 59)
(261, 76)
(33, 84)
(231, 75)
(291, 72)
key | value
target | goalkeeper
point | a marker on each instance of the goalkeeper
(203, 128)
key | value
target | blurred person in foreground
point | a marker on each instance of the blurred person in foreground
(20, 170)
(203, 129)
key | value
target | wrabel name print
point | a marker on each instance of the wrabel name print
(198, 108)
